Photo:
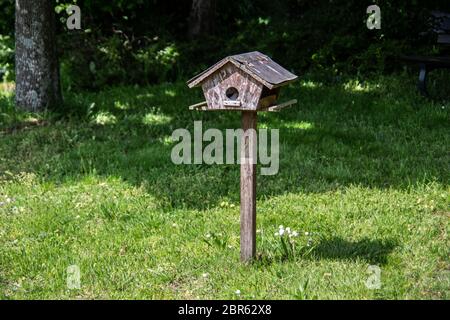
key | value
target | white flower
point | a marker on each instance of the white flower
(306, 233)
(281, 232)
(208, 235)
(205, 275)
(288, 230)
(281, 227)
(238, 292)
(276, 234)
(295, 234)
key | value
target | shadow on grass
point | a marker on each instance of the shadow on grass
(373, 251)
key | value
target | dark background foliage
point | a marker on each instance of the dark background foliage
(143, 42)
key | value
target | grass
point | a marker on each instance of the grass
(364, 167)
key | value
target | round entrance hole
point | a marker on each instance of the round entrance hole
(232, 93)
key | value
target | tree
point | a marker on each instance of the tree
(201, 19)
(37, 69)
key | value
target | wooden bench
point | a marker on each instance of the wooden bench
(441, 27)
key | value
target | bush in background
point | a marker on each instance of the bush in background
(144, 42)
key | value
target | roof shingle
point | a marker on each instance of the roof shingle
(256, 64)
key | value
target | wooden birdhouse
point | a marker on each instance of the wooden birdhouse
(248, 82)
(245, 82)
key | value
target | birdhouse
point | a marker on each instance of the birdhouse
(245, 82)
(248, 82)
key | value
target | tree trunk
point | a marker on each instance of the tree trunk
(201, 19)
(37, 69)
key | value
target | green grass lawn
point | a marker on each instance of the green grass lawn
(364, 169)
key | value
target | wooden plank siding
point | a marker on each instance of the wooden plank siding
(216, 85)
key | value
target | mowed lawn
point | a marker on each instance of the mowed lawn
(364, 178)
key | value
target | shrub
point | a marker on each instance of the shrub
(6, 58)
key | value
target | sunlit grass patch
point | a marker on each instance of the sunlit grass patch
(155, 119)
(6, 88)
(104, 118)
(358, 86)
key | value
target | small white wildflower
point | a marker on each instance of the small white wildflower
(281, 232)
(174, 225)
(1, 203)
(205, 275)
(306, 233)
(238, 292)
(276, 234)
(281, 227)
(208, 235)
(295, 234)
(288, 230)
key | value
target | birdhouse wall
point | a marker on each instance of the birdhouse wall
(221, 87)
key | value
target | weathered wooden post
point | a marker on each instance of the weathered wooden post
(248, 186)
(249, 83)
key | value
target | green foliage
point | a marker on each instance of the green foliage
(142, 42)
(157, 62)
(7, 17)
(6, 58)
(117, 60)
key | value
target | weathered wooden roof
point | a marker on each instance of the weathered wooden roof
(256, 64)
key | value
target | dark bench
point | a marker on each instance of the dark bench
(441, 27)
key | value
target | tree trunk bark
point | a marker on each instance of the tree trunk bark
(37, 69)
(201, 19)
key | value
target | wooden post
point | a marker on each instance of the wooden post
(248, 186)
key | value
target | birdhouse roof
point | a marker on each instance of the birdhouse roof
(258, 65)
